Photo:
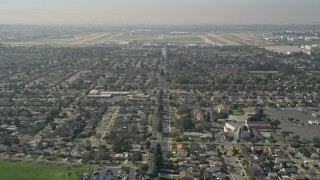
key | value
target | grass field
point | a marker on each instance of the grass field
(150, 119)
(183, 39)
(237, 113)
(235, 39)
(33, 171)
(173, 114)
(263, 72)
(298, 43)
(125, 37)
(216, 40)
(77, 40)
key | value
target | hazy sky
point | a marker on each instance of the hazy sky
(159, 11)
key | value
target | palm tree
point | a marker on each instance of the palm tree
(231, 169)
(148, 144)
(272, 141)
(69, 171)
(254, 140)
(284, 135)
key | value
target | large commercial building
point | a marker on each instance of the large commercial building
(237, 130)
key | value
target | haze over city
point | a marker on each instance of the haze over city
(168, 12)
(159, 90)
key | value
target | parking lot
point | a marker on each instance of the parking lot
(299, 126)
(110, 173)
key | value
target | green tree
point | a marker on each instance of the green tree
(159, 126)
(316, 140)
(188, 124)
(284, 135)
(295, 144)
(148, 144)
(260, 111)
(53, 113)
(158, 159)
(272, 141)
(162, 72)
(258, 116)
(28, 114)
(158, 149)
(254, 140)
(235, 151)
(119, 144)
(16, 122)
(275, 123)
(223, 115)
(144, 168)
(296, 138)
(69, 171)
(208, 117)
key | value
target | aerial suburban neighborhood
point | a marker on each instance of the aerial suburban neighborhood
(150, 103)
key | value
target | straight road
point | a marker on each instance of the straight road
(165, 143)
(164, 137)
(105, 125)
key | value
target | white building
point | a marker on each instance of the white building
(107, 94)
(221, 108)
(237, 130)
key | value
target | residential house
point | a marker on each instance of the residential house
(195, 147)
(182, 154)
(262, 126)
(313, 152)
(244, 150)
(180, 147)
(121, 156)
(136, 148)
(255, 170)
(249, 111)
(257, 134)
(185, 175)
(288, 171)
(298, 177)
(198, 115)
(207, 175)
(136, 155)
(273, 176)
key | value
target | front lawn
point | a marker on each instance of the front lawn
(236, 113)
